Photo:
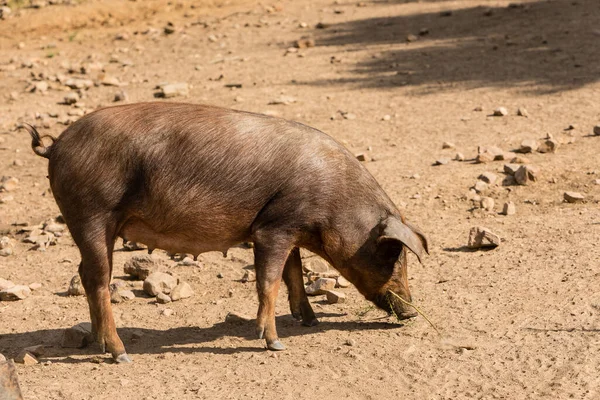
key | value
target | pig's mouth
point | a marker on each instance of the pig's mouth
(393, 306)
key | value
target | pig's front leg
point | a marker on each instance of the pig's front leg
(299, 304)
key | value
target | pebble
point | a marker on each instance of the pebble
(597, 181)
(480, 186)
(8, 183)
(496, 152)
(500, 112)
(182, 291)
(459, 157)
(167, 312)
(25, 357)
(597, 130)
(249, 276)
(528, 146)
(159, 282)
(509, 208)
(121, 95)
(77, 336)
(236, 318)
(386, 117)
(511, 169)
(448, 145)
(283, 100)
(17, 292)
(75, 287)
(488, 177)
(442, 161)
(304, 43)
(522, 112)
(480, 237)
(526, 174)
(71, 98)
(6, 199)
(141, 266)
(37, 350)
(173, 90)
(350, 342)
(342, 282)
(189, 262)
(315, 265)
(5, 284)
(79, 83)
(573, 197)
(519, 160)
(162, 298)
(126, 294)
(361, 157)
(487, 203)
(548, 146)
(484, 157)
(320, 286)
(334, 297)
(35, 286)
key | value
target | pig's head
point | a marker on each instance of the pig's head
(379, 266)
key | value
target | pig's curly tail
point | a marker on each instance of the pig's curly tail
(36, 142)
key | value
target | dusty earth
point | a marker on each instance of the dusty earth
(518, 322)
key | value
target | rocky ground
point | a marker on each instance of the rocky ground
(470, 113)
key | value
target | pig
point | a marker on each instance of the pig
(191, 178)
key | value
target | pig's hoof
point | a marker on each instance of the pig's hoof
(310, 322)
(260, 332)
(123, 359)
(276, 346)
(297, 316)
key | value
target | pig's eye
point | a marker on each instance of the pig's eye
(389, 251)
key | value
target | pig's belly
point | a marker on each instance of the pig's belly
(190, 238)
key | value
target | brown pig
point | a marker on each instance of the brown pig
(191, 178)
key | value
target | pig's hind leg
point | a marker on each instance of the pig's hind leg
(299, 304)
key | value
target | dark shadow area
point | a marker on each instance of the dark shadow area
(541, 47)
(155, 341)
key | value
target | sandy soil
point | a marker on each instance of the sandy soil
(518, 322)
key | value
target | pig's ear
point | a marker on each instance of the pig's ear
(407, 234)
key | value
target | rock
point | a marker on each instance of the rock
(442, 161)
(35, 286)
(17, 292)
(480, 186)
(283, 100)
(249, 276)
(54, 228)
(235, 318)
(9, 383)
(459, 157)
(350, 342)
(77, 336)
(7, 251)
(189, 262)
(597, 130)
(334, 297)
(496, 152)
(107, 80)
(304, 43)
(500, 112)
(509, 208)
(37, 350)
(126, 294)
(141, 266)
(386, 117)
(71, 98)
(480, 237)
(529, 146)
(522, 112)
(573, 197)
(5, 284)
(342, 282)
(121, 95)
(448, 145)
(79, 84)
(162, 298)
(6, 199)
(361, 157)
(412, 38)
(8, 183)
(159, 282)
(115, 290)
(597, 181)
(488, 177)
(25, 357)
(75, 287)
(548, 146)
(519, 160)
(484, 157)
(167, 312)
(182, 291)
(315, 265)
(320, 286)
(39, 87)
(487, 203)
(173, 90)
(526, 174)
(169, 29)
(5, 248)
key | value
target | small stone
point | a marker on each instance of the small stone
(35, 286)
(478, 109)
(5, 284)
(126, 294)
(37, 350)
(220, 275)
(249, 276)
(320, 286)
(522, 112)
(162, 298)
(484, 157)
(77, 336)
(107, 80)
(448, 145)
(315, 265)
(174, 90)
(236, 318)
(597, 181)
(573, 197)
(169, 29)
(386, 117)
(6, 199)
(548, 146)
(182, 291)
(519, 160)
(500, 112)
(480, 237)
(529, 146)
(121, 95)
(487, 203)
(597, 130)
(342, 282)
(349, 116)
(412, 38)
(511, 169)
(442, 161)
(459, 157)
(141, 266)
(304, 43)
(526, 174)
(8, 183)
(509, 208)
(5, 252)
(334, 297)
(480, 186)
(488, 177)
(75, 287)
(189, 262)
(159, 282)
(17, 292)
(361, 157)
(71, 98)
(167, 312)
(350, 342)
(26, 358)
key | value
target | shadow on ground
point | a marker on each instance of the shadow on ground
(541, 47)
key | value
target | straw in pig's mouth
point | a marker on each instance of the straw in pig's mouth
(391, 295)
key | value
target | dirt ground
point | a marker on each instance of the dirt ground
(391, 79)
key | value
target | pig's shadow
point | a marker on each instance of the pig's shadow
(182, 339)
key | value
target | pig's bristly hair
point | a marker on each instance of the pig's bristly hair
(36, 141)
